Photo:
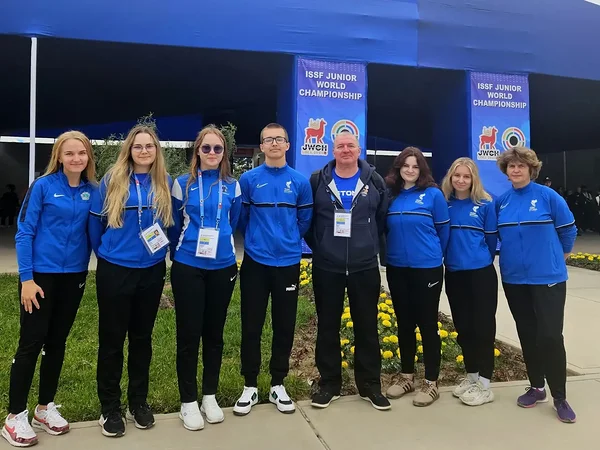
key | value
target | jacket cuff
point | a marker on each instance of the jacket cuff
(26, 276)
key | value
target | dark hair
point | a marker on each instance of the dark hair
(395, 181)
(272, 126)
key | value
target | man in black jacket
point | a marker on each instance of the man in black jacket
(350, 205)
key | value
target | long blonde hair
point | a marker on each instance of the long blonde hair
(118, 180)
(89, 174)
(224, 166)
(478, 193)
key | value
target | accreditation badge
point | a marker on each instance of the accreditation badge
(154, 238)
(208, 240)
(342, 225)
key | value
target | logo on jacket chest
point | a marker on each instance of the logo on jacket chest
(85, 196)
(533, 205)
(288, 187)
(419, 201)
(474, 212)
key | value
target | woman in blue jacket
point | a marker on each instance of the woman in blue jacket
(471, 279)
(53, 254)
(417, 233)
(127, 221)
(206, 208)
(537, 232)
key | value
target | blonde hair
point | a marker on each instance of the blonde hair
(118, 180)
(89, 173)
(224, 166)
(478, 193)
(520, 154)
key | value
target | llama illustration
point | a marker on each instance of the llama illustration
(487, 138)
(315, 131)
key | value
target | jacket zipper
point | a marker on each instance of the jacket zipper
(70, 230)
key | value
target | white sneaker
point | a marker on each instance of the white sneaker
(190, 414)
(463, 387)
(210, 408)
(247, 400)
(50, 420)
(18, 432)
(279, 397)
(478, 395)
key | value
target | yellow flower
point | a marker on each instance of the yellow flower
(386, 323)
(344, 365)
(383, 295)
(347, 309)
(388, 302)
(304, 282)
(387, 354)
(398, 352)
(383, 307)
(344, 341)
(394, 339)
(454, 335)
(386, 340)
(346, 316)
(349, 324)
(239, 261)
(496, 352)
(419, 337)
(385, 316)
(303, 276)
(417, 330)
(420, 349)
(416, 358)
(591, 258)
(460, 358)
(342, 354)
(352, 349)
(391, 311)
(443, 334)
(439, 325)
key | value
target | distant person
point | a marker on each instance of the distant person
(418, 229)
(277, 211)
(206, 208)
(548, 182)
(53, 256)
(471, 279)
(133, 201)
(9, 204)
(537, 231)
(350, 203)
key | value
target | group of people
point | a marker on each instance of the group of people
(137, 213)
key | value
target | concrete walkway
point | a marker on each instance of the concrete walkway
(351, 423)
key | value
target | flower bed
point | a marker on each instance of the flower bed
(584, 261)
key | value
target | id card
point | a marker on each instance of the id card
(342, 226)
(208, 240)
(154, 238)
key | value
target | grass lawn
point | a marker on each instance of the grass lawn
(77, 387)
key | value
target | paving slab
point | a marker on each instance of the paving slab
(448, 424)
(264, 428)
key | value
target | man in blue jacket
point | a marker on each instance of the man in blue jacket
(276, 213)
(350, 205)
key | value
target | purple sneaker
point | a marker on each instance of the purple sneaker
(532, 397)
(564, 411)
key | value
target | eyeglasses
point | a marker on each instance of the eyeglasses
(218, 149)
(138, 148)
(278, 139)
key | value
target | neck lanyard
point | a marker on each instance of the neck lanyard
(139, 195)
(219, 207)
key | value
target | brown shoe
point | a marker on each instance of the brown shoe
(427, 394)
(401, 388)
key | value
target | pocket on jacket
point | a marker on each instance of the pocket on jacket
(362, 246)
(332, 248)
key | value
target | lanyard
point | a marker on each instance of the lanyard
(139, 195)
(219, 207)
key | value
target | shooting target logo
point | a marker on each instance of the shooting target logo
(513, 137)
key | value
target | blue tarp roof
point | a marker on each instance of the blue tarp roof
(557, 37)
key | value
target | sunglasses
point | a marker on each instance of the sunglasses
(218, 149)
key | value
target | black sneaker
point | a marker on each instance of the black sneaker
(112, 424)
(141, 416)
(376, 398)
(323, 398)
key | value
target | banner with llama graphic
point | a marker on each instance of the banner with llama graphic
(499, 109)
(331, 97)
